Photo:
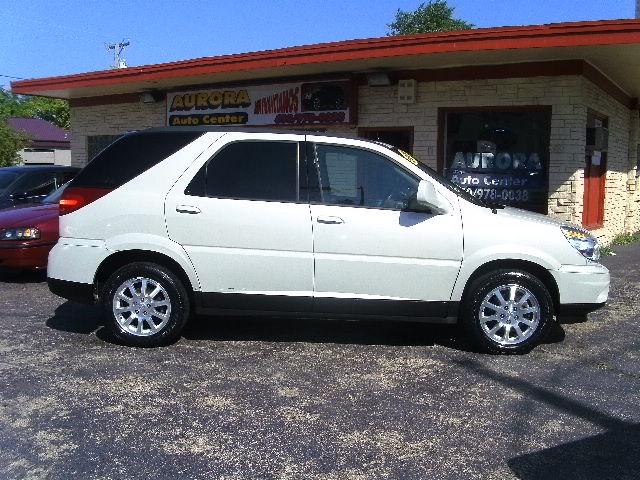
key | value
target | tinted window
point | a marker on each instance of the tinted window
(64, 177)
(6, 178)
(253, 171)
(355, 177)
(36, 183)
(97, 143)
(130, 156)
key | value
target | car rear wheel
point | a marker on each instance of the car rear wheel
(507, 311)
(146, 305)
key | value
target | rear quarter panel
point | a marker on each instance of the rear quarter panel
(130, 217)
(138, 205)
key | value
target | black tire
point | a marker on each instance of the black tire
(174, 320)
(492, 281)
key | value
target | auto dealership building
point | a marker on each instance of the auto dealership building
(541, 117)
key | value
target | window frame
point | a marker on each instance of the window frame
(311, 162)
(300, 157)
(441, 146)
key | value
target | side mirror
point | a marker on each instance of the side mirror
(428, 197)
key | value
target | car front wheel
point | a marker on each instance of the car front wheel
(507, 311)
(146, 305)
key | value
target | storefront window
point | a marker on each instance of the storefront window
(499, 156)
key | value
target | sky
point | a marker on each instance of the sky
(40, 38)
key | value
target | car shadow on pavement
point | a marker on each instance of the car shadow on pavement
(360, 332)
(611, 455)
(614, 454)
(76, 318)
(20, 276)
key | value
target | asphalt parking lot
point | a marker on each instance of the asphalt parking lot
(240, 398)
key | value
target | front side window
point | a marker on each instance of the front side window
(251, 170)
(356, 177)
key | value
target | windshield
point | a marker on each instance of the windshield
(54, 197)
(461, 192)
(6, 179)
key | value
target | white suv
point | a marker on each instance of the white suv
(169, 222)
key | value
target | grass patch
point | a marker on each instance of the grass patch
(626, 238)
(621, 239)
(606, 251)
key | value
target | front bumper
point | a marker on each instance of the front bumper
(582, 288)
(25, 257)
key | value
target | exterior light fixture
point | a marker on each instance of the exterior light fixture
(378, 79)
(151, 96)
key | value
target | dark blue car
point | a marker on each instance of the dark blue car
(31, 183)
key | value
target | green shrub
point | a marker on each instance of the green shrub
(626, 238)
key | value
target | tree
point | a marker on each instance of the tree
(435, 16)
(50, 109)
(10, 143)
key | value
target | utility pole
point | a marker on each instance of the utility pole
(637, 8)
(117, 51)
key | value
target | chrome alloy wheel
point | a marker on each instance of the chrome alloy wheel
(509, 314)
(141, 306)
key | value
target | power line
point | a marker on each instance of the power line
(11, 76)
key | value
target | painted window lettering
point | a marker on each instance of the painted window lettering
(500, 160)
(500, 156)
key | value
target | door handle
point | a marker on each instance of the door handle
(330, 220)
(187, 209)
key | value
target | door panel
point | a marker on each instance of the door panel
(594, 192)
(367, 244)
(245, 246)
(386, 254)
(259, 247)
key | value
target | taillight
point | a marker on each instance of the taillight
(74, 198)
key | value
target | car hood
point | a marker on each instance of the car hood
(530, 216)
(27, 216)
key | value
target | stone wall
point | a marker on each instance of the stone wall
(618, 157)
(114, 119)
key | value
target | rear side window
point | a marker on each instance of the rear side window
(36, 183)
(251, 170)
(130, 156)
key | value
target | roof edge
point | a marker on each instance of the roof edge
(604, 32)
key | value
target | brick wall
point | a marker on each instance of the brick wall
(618, 158)
(568, 96)
(110, 120)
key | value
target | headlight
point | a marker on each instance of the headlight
(27, 233)
(582, 241)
